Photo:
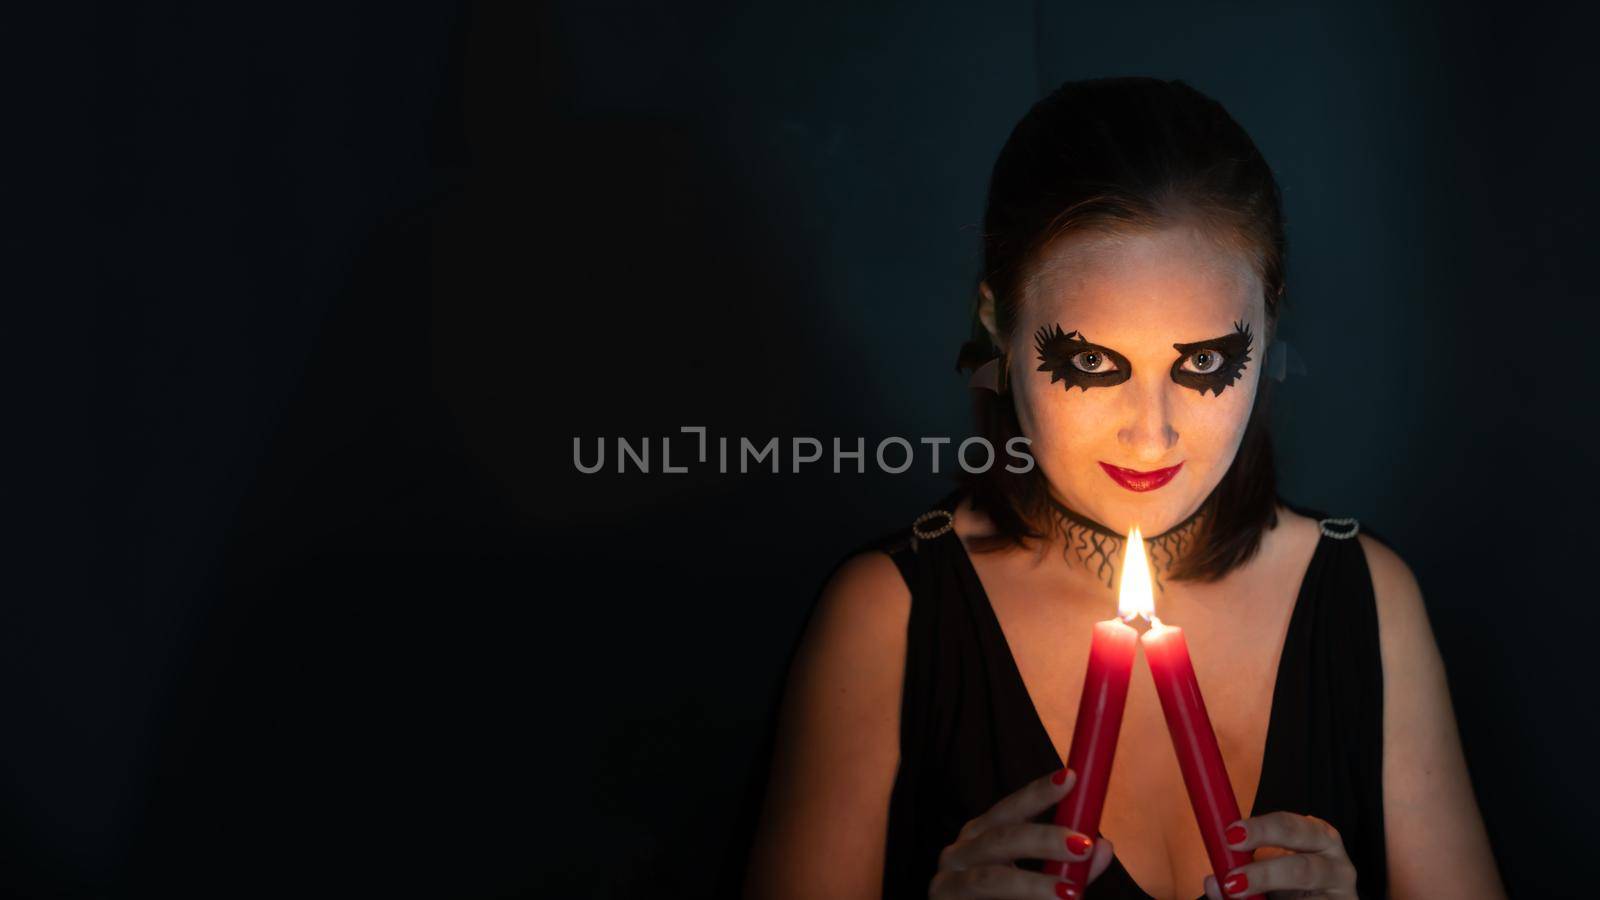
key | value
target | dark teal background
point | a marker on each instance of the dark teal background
(333, 609)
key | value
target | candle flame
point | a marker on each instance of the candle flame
(1134, 597)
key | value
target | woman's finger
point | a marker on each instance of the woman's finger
(1284, 829)
(1000, 883)
(1023, 804)
(1003, 844)
(1294, 872)
(1212, 891)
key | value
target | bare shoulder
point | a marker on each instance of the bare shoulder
(852, 654)
(1388, 569)
(1437, 845)
(845, 682)
(865, 592)
(837, 748)
(1402, 617)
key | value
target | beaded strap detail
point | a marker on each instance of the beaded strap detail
(1339, 533)
(917, 530)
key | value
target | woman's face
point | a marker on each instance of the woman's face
(1115, 397)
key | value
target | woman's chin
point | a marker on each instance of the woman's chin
(1153, 515)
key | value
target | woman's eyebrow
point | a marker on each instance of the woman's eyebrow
(1238, 338)
(1044, 336)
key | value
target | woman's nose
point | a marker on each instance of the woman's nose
(1147, 433)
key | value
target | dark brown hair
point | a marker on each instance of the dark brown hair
(1126, 154)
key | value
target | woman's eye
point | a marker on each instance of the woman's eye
(1205, 362)
(1092, 361)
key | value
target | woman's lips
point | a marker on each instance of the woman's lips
(1135, 480)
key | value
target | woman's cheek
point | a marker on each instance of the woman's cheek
(1214, 427)
(1229, 421)
(1061, 424)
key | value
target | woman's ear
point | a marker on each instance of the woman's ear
(986, 313)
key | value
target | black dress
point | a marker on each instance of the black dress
(970, 734)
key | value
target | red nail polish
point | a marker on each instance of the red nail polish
(1237, 883)
(1235, 834)
(1059, 777)
(1078, 844)
(1067, 890)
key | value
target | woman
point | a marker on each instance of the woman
(1133, 278)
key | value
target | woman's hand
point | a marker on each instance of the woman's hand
(982, 861)
(1304, 858)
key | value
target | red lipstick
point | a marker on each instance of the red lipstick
(1135, 480)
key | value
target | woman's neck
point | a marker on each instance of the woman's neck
(1097, 550)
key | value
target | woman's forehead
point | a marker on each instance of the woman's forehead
(1163, 286)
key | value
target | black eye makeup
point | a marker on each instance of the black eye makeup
(1069, 357)
(1215, 364)
(1211, 365)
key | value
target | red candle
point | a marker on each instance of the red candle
(1094, 737)
(1200, 760)
(1105, 694)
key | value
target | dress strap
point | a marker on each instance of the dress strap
(1325, 740)
(904, 542)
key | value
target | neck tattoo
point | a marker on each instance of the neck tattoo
(1099, 549)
